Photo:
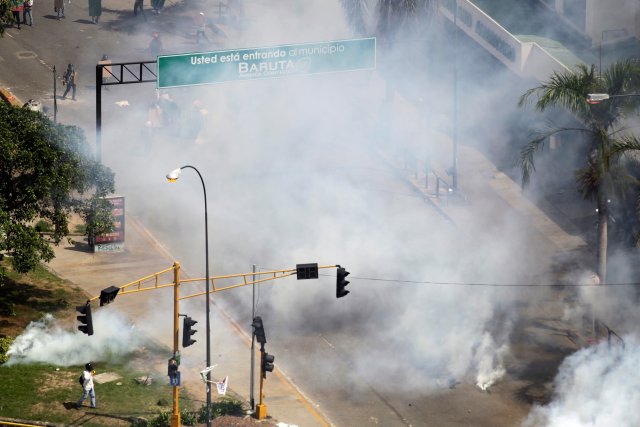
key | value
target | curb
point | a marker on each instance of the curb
(10, 98)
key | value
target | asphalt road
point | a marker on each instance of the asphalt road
(293, 175)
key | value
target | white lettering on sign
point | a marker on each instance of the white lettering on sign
(252, 56)
(203, 59)
(265, 67)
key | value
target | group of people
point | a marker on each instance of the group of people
(22, 7)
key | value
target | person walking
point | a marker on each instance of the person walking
(87, 386)
(138, 5)
(17, 6)
(106, 68)
(28, 4)
(155, 45)
(157, 5)
(95, 10)
(201, 25)
(70, 78)
(58, 7)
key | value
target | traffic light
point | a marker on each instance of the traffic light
(86, 322)
(307, 271)
(107, 295)
(267, 363)
(187, 331)
(258, 330)
(341, 282)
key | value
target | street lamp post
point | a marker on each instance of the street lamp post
(172, 177)
(597, 98)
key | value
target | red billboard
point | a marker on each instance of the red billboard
(117, 235)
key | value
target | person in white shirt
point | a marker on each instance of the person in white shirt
(87, 386)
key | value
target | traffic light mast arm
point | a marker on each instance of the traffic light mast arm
(274, 274)
(137, 285)
(153, 281)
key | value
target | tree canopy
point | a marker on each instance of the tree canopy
(47, 172)
(612, 145)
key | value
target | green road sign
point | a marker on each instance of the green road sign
(265, 62)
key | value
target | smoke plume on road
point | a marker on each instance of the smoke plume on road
(46, 341)
(596, 386)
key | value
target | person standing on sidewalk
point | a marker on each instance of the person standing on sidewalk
(87, 386)
(95, 10)
(155, 45)
(17, 6)
(58, 7)
(28, 4)
(201, 25)
(106, 68)
(139, 5)
(70, 78)
(157, 5)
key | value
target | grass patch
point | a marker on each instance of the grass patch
(39, 392)
(27, 297)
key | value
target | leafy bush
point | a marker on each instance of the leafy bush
(43, 226)
(188, 418)
(5, 343)
(220, 408)
(162, 420)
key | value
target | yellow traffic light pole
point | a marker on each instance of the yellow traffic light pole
(142, 285)
(175, 415)
(261, 408)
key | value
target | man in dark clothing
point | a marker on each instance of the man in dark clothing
(70, 78)
(139, 5)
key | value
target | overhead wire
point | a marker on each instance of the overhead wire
(486, 284)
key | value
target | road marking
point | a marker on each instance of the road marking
(26, 54)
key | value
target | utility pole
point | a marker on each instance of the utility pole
(55, 97)
(454, 166)
(252, 402)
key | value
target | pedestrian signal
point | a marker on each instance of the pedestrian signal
(187, 332)
(86, 322)
(341, 282)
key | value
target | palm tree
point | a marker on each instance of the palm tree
(604, 175)
(390, 16)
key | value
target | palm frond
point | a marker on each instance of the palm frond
(356, 11)
(624, 145)
(527, 153)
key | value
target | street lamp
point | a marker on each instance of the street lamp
(173, 177)
(596, 98)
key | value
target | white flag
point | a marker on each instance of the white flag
(222, 386)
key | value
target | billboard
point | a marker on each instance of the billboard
(114, 241)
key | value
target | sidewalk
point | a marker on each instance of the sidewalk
(143, 255)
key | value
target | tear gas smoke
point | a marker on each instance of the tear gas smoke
(295, 171)
(45, 341)
(596, 386)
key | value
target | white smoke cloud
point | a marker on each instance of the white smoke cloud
(596, 386)
(46, 341)
(490, 362)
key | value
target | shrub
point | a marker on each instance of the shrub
(188, 418)
(5, 343)
(220, 408)
(162, 420)
(43, 226)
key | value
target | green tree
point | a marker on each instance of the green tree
(5, 15)
(47, 173)
(390, 16)
(604, 175)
